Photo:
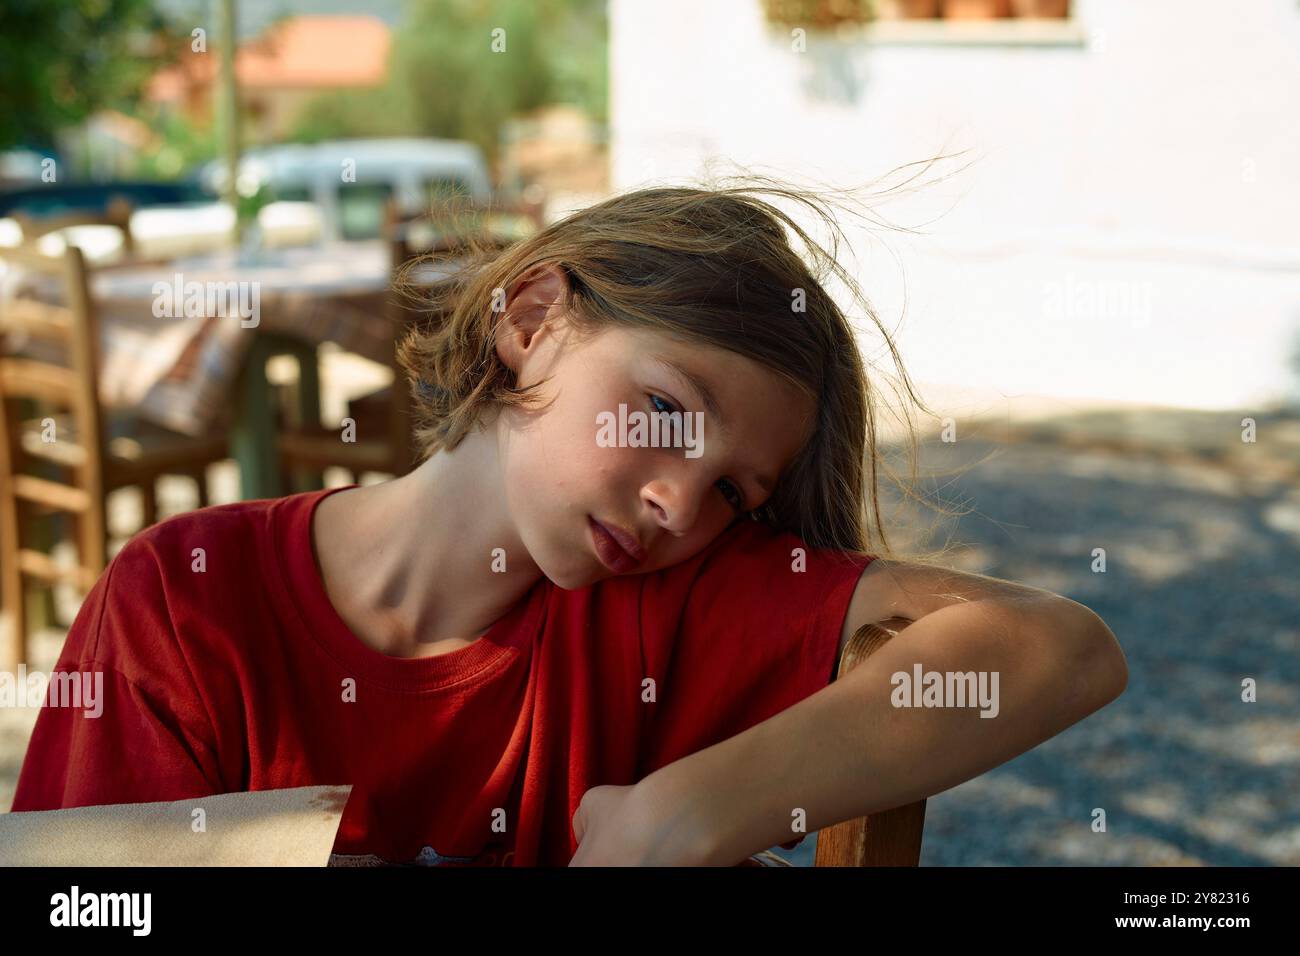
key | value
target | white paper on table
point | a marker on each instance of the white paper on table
(293, 827)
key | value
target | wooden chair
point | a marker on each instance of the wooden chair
(52, 392)
(382, 439)
(444, 230)
(888, 838)
(117, 215)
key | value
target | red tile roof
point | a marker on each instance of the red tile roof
(317, 51)
(307, 52)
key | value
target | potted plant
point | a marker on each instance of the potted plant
(976, 9)
(818, 14)
(1042, 9)
(917, 9)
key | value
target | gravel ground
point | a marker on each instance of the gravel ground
(1200, 588)
(1202, 551)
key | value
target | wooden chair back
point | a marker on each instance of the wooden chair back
(384, 439)
(890, 837)
(63, 379)
(451, 223)
(117, 215)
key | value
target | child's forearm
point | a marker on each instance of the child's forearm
(848, 751)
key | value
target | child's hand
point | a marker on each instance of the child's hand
(626, 826)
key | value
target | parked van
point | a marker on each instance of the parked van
(352, 180)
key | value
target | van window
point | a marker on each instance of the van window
(361, 209)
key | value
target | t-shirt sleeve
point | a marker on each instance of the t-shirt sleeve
(122, 721)
(739, 633)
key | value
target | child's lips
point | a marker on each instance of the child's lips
(611, 548)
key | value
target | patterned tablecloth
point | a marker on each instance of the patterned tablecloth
(173, 357)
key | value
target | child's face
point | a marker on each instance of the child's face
(560, 471)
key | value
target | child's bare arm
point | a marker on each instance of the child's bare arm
(848, 750)
(890, 589)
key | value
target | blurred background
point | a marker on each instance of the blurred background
(1097, 291)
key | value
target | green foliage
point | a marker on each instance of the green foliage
(61, 61)
(183, 146)
(450, 77)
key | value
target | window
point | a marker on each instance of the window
(824, 14)
(361, 209)
(933, 22)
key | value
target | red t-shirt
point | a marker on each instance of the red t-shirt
(237, 678)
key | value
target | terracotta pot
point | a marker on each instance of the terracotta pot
(918, 9)
(1041, 9)
(819, 14)
(976, 9)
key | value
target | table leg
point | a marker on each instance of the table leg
(252, 435)
(306, 408)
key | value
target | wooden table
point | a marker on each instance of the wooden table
(207, 370)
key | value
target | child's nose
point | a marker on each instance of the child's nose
(677, 500)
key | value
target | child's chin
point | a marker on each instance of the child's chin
(573, 582)
(573, 576)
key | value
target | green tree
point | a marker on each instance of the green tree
(62, 61)
(460, 68)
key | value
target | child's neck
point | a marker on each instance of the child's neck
(407, 564)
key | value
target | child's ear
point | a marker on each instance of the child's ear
(531, 302)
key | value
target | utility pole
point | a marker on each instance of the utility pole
(229, 112)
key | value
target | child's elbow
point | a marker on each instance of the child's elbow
(1104, 658)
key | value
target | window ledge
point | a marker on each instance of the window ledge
(1015, 33)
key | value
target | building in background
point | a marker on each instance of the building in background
(557, 154)
(1126, 233)
(288, 64)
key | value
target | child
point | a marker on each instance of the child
(558, 640)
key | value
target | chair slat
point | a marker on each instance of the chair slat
(43, 491)
(29, 258)
(29, 378)
(65, 451)
(38, 319)
(326, 450)
(117, 215)
(38, 564)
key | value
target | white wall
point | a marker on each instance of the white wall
(1130, 230)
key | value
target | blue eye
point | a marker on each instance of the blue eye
(669, 408)
(734, 496)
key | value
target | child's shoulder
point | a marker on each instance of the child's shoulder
(175, 583)
(207, 539)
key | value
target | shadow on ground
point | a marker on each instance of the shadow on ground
(1200, 587)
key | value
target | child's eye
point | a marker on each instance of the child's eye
(668, 407)
(730, 492)
(735, 497)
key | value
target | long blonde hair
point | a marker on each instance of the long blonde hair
(711, 264)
